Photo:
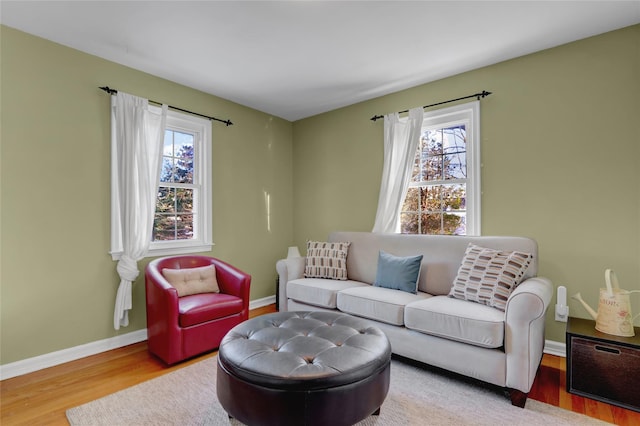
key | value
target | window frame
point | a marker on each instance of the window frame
(467, 114)
(201, 129)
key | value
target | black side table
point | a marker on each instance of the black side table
(602, 366)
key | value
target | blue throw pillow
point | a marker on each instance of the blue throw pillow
(398, 273)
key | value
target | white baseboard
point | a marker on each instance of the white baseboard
(265, 301)
(30, 365)
(552, 347)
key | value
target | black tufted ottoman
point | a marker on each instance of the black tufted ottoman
(303, 368)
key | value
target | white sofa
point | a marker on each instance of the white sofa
(473, 339)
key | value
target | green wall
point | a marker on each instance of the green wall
(560, 152)
(58, 282)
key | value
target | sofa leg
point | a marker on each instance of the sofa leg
(518, 398)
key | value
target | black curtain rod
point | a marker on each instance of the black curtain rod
(227, 122)
(482, 94)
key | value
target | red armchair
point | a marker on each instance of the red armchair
(182, 327)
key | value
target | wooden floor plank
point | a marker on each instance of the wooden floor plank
(42, 397)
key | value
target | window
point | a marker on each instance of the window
(183, 206)
(182, 221)
(444, 192)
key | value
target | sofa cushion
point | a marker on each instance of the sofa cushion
(398, 273)
(489, 276)
(189, 281)
(326, 260)
(318, 291)
(456, 319)
(377, 303)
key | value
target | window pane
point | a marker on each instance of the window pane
(168, 170)
(164, 227)
(452, 224)
(454, 139)
(455, 223)
(431, 198)
(433, 141)
(182, 139)
(433, 168)
(430, 223)
(177, 161)
(411, 200)
(453, 197)
(184, 227)
(166, 200)
(184, 161)
(409, 223)
(455, 166)
(431, 155)
(184, 200)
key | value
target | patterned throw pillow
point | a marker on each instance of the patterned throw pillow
(488, 276)
(193, 280)
(326, 260)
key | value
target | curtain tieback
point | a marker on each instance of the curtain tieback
(127, 268)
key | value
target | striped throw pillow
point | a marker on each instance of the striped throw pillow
(488, 276)
(326, 260)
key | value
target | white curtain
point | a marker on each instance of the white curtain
(139, 135)
(401, 140)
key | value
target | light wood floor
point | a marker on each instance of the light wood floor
(42, 397)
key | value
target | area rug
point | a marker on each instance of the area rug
(418, 395)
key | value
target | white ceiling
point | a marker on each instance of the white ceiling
(294, 59)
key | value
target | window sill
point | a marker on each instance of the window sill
(170, 251)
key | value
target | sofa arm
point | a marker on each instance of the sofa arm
(288, 269)
(524, 331)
